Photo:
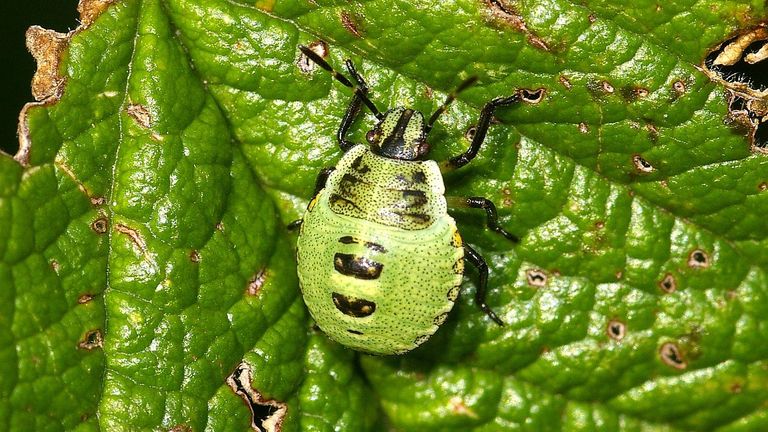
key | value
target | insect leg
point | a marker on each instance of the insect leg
(353, 109)
(359, 90)
(476, 260)
(481, 130)
(492, 220)
(322, 177)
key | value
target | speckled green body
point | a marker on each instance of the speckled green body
(391, 213)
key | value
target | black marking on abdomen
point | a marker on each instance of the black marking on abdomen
(356, 266)
(336, 199)
(418, 217)
(358, 166)
(370, 245)
(414, 198)
(355, 332)
(353, 306)
(419, 177)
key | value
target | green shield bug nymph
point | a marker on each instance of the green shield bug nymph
(380, 261)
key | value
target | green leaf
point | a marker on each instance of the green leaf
(143, 255)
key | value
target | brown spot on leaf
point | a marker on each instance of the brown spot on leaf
(140, 114)
(668, 284)
(265, 5)
(616, 329)
(458, 407)
(100, 225)
(84, 298)
(679, 86)
(762, 186)
(98, 200)
(583, 128)
(133, 235)
(592, 18)
(565, 82)
(351, 22)
(502, 12)
(599, 224)
(698, 259)
(92, 340)
(506, 199)
(55, 266)
(653, 131)
(267, 415)
(181, 428)
(257, 281)
(607, 87)
(194, 256)
(671, 356)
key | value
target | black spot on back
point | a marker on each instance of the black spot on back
(353, 306)
(419, 177)
(370, 245)
(356, 266)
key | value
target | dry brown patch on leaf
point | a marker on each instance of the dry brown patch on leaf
(257, 282)
(351, 22)
(46, 47)
(91, 9)
(140, 114)
(133, 235)
(501, 11)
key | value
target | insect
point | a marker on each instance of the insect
(380, 261)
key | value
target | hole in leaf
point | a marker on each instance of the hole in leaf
(671, 356)
(532, 96)
(266, 415)
(99, 226)
(641, 164)
(536, 278)
(92, 340)
(742, 59)
(698, 259)
(668, 284)
(616, 329)
(470, 133)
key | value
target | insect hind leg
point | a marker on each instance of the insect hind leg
(477, 260)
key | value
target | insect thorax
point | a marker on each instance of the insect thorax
(402, 194)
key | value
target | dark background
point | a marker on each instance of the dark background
(18, 66)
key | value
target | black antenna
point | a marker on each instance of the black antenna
(356, 89)
(451, 97)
